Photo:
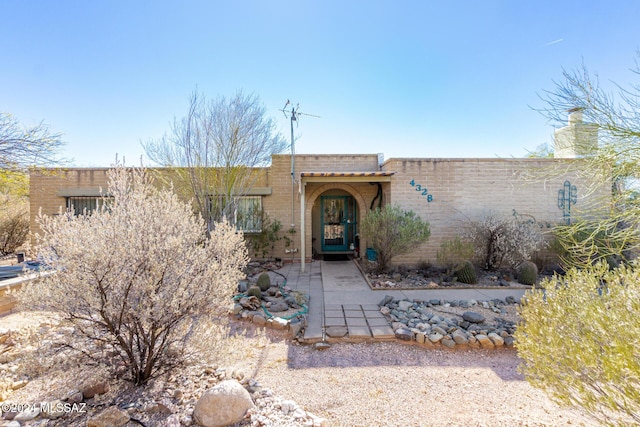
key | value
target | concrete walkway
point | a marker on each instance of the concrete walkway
(339, 297)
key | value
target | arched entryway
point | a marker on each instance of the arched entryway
(332, 213)
(327, 229)
(335, 223)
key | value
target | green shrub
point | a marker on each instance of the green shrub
(254, 291)
(578, 341)
(263, 243)
(264, 281)
(527, 273)
(467, 273)
(392, 231)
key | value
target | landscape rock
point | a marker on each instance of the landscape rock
(448, 342)
(110, 417)
(404, 305)
(278, 306)
(223, 405)
(295, 328)
(337, 331)
(404, 334)
(27, 415)
(435, 337)
(497, 340)
(485, 341)
(93, 387)
(473, 317)
(279, 322)
(259, 319)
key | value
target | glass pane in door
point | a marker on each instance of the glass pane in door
(334, 223)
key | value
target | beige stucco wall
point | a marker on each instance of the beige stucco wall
(45, 185)
(462, 189)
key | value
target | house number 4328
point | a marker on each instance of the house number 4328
(423, 190)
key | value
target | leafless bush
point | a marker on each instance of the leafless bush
(134, 276)
(14, 223)
(498, 239)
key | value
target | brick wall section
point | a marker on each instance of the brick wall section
(278, 205)
(461, 189)
(45, 184)
(465, 189)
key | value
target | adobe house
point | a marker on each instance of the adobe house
(324, 199)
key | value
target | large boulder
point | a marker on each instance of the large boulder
(223, 405)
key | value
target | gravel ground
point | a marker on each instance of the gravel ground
(374, 384)
(393, 384)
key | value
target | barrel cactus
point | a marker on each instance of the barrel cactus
(254, 291)
(264, 281)
(467, 273)
(527, 273)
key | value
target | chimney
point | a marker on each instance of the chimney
(577, 139)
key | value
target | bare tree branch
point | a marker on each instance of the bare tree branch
(214, 148)
(22, 147)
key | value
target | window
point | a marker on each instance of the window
(244, 212)
(248, 214)
(84, 204)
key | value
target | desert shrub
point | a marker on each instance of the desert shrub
(585, 242)
(499, 239)
(453, 254)
(254, 291)
(392, 231)
(467, 273)
(578, 341)
(527, 273)
(263, 243)
(14, 223)
(134, 276)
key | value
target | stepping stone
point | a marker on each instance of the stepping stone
(359, 332)
(377, 322)
(382, 332)
(356, 321)
(334, 321)
(354, 313)
(337, 331)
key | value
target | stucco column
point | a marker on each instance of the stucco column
(303, 250)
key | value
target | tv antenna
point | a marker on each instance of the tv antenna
(293, 116)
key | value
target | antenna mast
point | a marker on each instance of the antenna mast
(293, 115)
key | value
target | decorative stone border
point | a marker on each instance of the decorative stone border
(413, 321)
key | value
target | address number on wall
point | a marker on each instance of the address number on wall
(422, 189)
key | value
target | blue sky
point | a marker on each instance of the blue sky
(404, 78)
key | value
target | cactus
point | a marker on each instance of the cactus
(467, 273)
(527, 273)
(264, 281)
(254, 291)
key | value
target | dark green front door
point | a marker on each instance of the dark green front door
(338, 223)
